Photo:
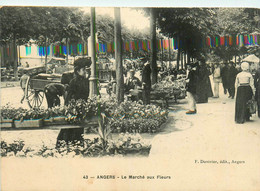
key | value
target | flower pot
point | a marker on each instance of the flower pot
(28, 123)
(55, 121)
(6, 123)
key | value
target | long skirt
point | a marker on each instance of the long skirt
(244, 93)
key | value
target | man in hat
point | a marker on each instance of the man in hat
(191, 87)
(78, 89)
(79, 86)
(146, 81)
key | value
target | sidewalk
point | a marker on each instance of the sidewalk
(210, 135)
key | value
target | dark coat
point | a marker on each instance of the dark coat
(224, 76)
(193, 80)
(146, 76)
(257, 86)
(52, 92)
(78, 89)
(203, 84)
(232, 73)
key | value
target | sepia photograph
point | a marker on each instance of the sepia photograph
(129, 98)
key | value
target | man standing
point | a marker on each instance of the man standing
(216, 80)
(224, 76)
(78, 89)
(191, 87)
(257, 85)
(146, 81)
(232, 73)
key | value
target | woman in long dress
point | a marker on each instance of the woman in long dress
(245, 91)
(203, 86)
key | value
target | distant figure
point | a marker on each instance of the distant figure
(231, 75)
(191, 87)
(216, 80)
(27, 65)
(146, 81)
(257, 85)
(203, 85)
(132, 82)
(23, 81)
(224, 77)
(245, 91)
(111, 86)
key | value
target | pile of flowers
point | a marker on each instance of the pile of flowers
(125, 117)
(169, 86)
(135, 117)
(125, 144)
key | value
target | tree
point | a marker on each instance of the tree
(118, 55)
(234, 21)
(188, 26)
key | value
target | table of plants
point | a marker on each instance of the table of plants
(169, 88)
(102, 116)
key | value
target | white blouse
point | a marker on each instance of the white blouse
(245, 78)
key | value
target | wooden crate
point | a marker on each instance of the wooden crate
(28, 123)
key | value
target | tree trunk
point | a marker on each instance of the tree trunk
(182, 60)
(188, 59)
(19, 53)
(178, 55)
(118, 56)
(185, 60)
(67, 50)
(46, 52)
(15, 59)
(93, 78)
(153, 45)
(169, 56)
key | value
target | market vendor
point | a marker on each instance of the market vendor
(78, 89)
(132, 82)
(53, 92)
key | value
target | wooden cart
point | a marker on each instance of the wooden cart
(34, 90)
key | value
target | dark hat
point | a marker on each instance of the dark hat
(82, 63)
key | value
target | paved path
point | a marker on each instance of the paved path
(210, 135)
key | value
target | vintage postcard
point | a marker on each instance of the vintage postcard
(130, 97)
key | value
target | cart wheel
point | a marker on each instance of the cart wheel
(34, 97)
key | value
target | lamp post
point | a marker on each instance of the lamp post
(93, 78)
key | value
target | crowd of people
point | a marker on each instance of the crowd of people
(236, 83)
(198, 87)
